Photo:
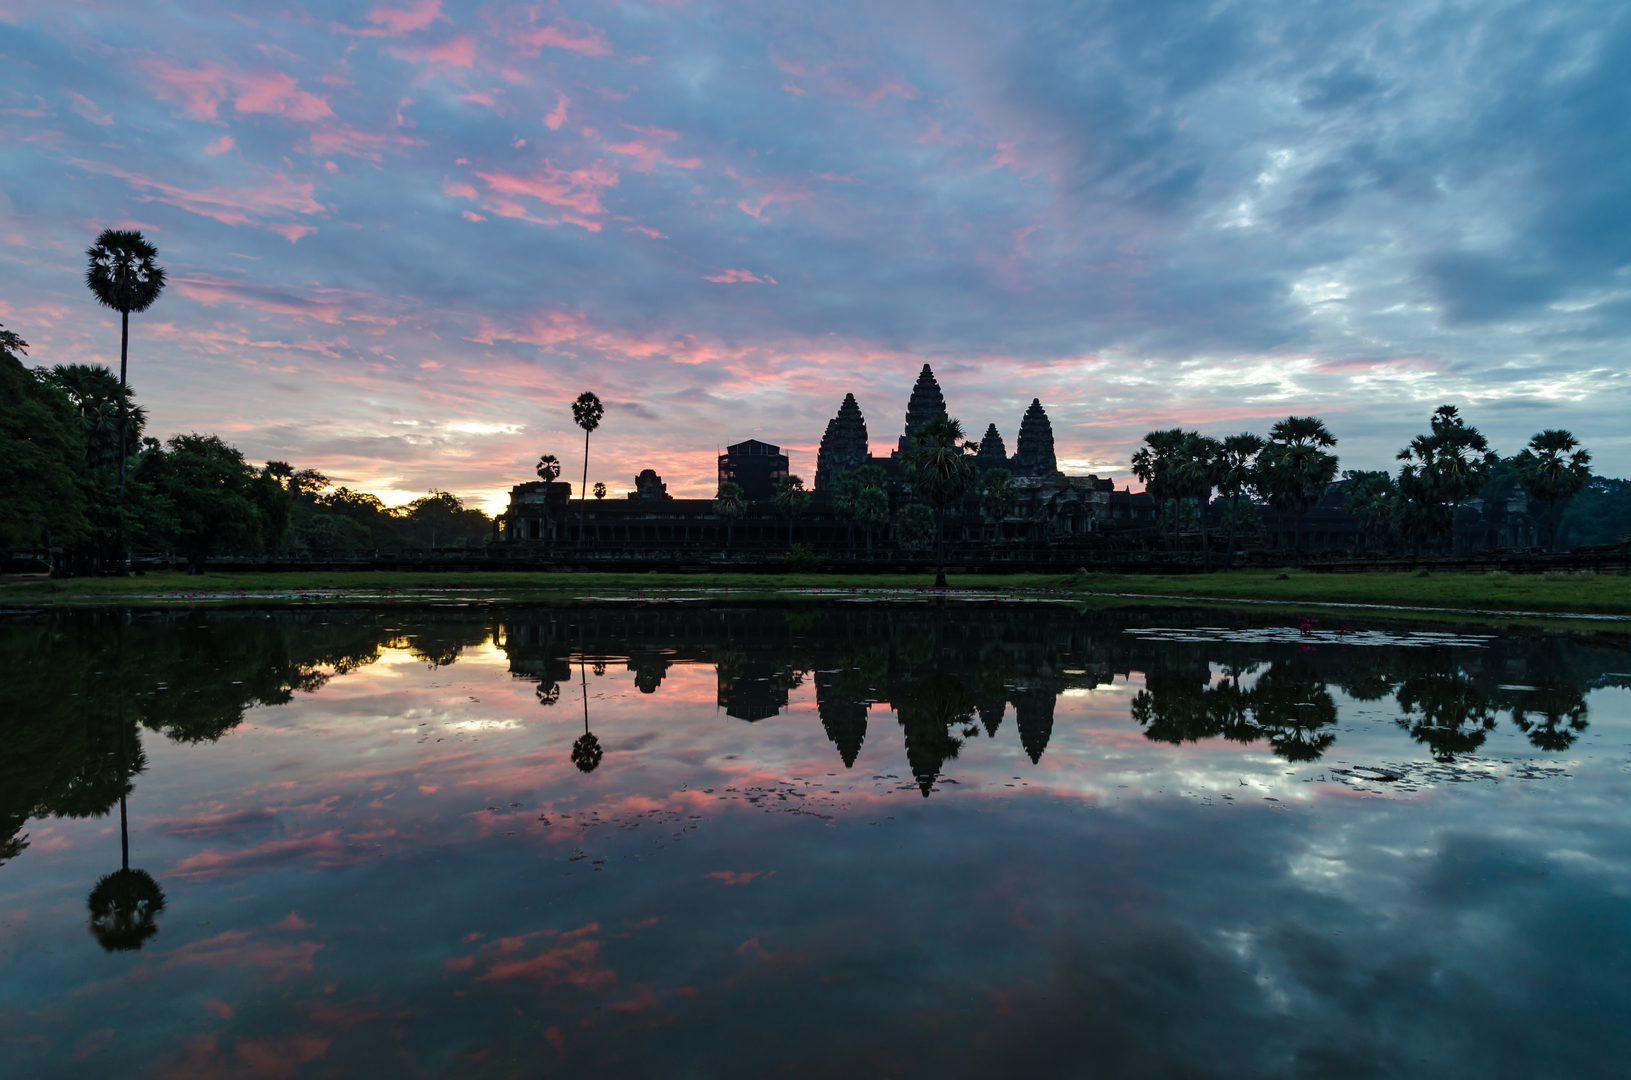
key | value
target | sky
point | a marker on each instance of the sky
(402, 238)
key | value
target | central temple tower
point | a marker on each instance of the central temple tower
(926, 403)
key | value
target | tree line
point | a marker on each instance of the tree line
(78, 474)
(1292, 469)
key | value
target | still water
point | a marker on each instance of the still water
(893, 841)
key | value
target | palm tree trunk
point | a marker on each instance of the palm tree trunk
(1234, 518)
(1206, 517)
(124, 352)
(940, 548)
(124, 823)
(583, 492)
(1297, 543)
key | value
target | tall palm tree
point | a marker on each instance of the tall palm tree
(998, 497)
(549, 469)
(871, 511)
(1553, 469)
(1237, 474)
(1297, 469)
(791, 499)
(1154, 465)
(940, 467)
(1199, 465)
(1449, 465)
(730, 505)
(124, 277)
(586, 413)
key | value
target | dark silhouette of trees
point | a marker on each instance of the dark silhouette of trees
(1236, 476)
(914, 525)
(1449, 465)
(998, 497)
(1155, 464)
(586, 413)
(790, 500)
(1552, 714)
(41, 449)
(1296, 469)
(1200, 463)
(600, 491)
(1372, 500)
(1553, 469)
(729, 505)
(940, 467)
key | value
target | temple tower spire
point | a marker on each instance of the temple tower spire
(926, 403)
(1033, 456)
(842, 447)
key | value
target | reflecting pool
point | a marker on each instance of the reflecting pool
(652, 839)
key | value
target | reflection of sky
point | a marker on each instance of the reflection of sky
(351, 883)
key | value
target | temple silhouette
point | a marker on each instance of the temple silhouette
(1051, 505)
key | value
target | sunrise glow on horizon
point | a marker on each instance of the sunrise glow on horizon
(401, 238)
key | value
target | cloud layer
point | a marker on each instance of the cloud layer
(403, 239)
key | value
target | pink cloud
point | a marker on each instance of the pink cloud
(457, 51)
(331, 306)
(591, 41)
(733, 276)
(199, 92)
(557, 115)
(85, 107)
(279, 94)
(220, 145)
(292, 233)
(471, 215)
(737, 877)
(755, 208)
(291, 921)
(653, 233)
(404, 20)
(276, 196)
(575, 189)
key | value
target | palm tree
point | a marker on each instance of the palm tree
(1297, 469)
(586, 413)
(549, 468)
(791, 500)
(940, 467)
(600, 490)
(1371, 499)
(846, 490)
(123, 276)
(1199, 464)
(872, 508)
(1445, 467)
(730, 505)
(1237, 474)
(1153, 464)
(998, 497)
(1553, 469)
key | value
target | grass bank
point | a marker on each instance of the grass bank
(1554, 594)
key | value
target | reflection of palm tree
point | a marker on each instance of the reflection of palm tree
(1454, 714)
(1562, 710)
(586, 751)
(124, 909)
(124, 905)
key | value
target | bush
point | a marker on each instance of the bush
(801, 558)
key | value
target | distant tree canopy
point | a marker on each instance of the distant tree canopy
(61, 430)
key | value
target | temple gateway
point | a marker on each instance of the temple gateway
(1051, 505)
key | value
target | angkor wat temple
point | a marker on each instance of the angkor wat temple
(1052, 507)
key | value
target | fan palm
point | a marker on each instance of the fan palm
(549, 468)
(1297, 470)
(1237, 474)
(586, 751)
(940, 467)
(872, 509)
(1155, 463)
(998, 497)
(586, 413)
(124, 277)
(730, 505)
(1553, 469)
(791, 499)
(1449, 465)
